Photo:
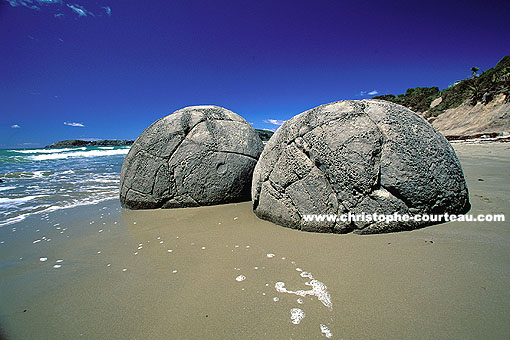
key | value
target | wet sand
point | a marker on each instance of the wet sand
(211, 272)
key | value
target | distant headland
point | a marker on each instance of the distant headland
(73, 143)
(70, 143)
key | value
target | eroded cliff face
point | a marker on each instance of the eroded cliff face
(469, 120)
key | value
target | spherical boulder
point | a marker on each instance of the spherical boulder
(357, 157)
(199, 155)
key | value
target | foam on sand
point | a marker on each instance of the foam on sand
(326, 332)
(296, 315)
(319, 290)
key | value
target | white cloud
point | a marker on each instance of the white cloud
(58, 5)
(33, 3)
(108, 10)
(24, 3)
(368, 93)
(274, 121)
(80, 10)
(15, 126)
(74, 124)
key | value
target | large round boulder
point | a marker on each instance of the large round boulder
(199, 155)
(367, 156)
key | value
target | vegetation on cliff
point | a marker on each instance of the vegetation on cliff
(482, 88)
(70, 143)
(264, 134)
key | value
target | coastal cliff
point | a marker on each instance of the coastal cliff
(469, 108)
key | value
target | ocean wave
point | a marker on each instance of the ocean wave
(69, 205)
(10, 202)
(101, 180)
(88, 153)
(46, 151)
(27, 174)
(6, 188)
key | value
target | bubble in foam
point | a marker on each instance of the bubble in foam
(276, 299)
(326, 332)
(306, 274)
(240, 278)
(296, 315)
(300, 301)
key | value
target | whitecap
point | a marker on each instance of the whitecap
(46, 151)
(87, 153)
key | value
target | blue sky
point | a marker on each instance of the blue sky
(108, 69)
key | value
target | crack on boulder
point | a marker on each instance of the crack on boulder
(405, 185)
(169, 138)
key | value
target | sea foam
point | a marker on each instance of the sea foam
(88, 153)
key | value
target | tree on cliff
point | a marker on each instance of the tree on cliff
(474, 69)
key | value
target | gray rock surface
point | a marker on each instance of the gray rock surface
(199, 155)
(368, 156)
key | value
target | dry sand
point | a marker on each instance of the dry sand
(449, 281)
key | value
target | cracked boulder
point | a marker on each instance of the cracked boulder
(199, 155)
(358, 157)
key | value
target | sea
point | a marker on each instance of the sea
(38, 181)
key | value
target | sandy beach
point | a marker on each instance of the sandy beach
(216, 273)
